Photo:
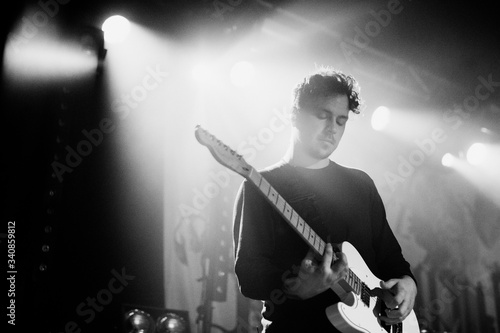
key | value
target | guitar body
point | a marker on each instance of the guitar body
(352, 315)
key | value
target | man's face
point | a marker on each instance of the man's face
(321, 126)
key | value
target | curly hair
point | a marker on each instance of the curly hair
(326, 82)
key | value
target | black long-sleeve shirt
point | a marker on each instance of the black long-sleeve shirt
(340, 204)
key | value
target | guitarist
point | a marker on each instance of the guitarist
(273, 263)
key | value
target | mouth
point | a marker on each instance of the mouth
(329, 140)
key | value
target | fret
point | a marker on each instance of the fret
(300, 225)
(365, 294)
(264, 186)
(355, 282)
(350, 279)
(354, 279)
(273, 195)
(312, 237)
(295, 219)
(322, 246)
(280, 204)
(255, 177)
(317, 242)
(287, 211)
(307, 231)
(356, 285)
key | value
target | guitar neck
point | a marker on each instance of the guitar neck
(299, 225)
(287, 212)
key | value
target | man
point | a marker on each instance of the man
(273, 263)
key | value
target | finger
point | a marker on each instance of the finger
(404, 308)
(392, 298)
(307, 265)
(340, 266)
(388, 284)
(392, 317)
(291, 284)
(377, 292)
(306, 269)
(397, 314)
(342, 259)
(399, 294)
(400, 297)
(390, 302)
(327, 257)
(386, 296)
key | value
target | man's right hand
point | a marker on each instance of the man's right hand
(314, 278)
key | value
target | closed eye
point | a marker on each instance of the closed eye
(324, 114)
(342, 120)
(320, 114)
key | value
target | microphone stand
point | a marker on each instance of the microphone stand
(205, 309)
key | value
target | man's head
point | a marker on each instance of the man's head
(320, 110)
(326, 82)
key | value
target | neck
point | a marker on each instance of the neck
(297, 157)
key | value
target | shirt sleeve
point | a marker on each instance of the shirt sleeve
(253, 234)
(389, 256)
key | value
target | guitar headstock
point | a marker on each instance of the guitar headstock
(222, 153)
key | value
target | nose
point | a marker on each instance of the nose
(330, 127)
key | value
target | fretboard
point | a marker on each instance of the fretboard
(288, 213)
(302, 228)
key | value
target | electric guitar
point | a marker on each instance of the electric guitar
(358, 310)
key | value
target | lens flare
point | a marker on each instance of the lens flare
(476, 154)
(381, 118)
(116, 29)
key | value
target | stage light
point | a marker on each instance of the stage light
(145, 319)
(171, 323)
(447, 160)
(49, 56)
(242, 74)
(116, 29)
(476, 154)
(138, 321)
(381, 118)
(486, 131)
